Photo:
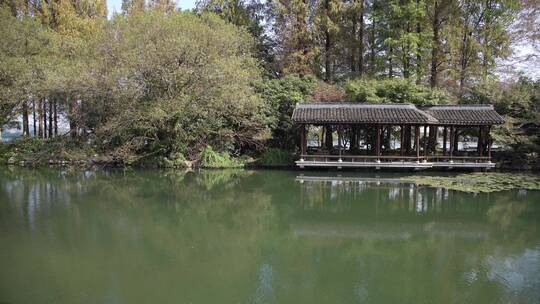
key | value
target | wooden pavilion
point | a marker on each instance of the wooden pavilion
(395, 135)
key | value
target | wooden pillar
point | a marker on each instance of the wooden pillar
(425, 141)
(433, 134)
(378, 141)
(328, 138)
(407, 139)
(353, 139)
(339, 140)
(321, 137)
(401, 141)
(445, 130)
(456, 140)
(452, 139)
(489, 141)
(480, 144)
(303, 140)
(417, 140)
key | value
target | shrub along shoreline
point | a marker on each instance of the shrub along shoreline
(36, 153)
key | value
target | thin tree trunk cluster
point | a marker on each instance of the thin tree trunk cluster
(44, 118)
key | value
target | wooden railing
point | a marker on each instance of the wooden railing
(359, 158)
(447, 158)
(392, 158)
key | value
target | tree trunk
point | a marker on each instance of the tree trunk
(390, 67)
(40, 118)
(327, 67)
(407, 59)
(361, 40)
(372, 48)
(26, 129)
(55, 118)
(327, 45)
(50, 118)
(72, 118)
(435, 51)
(464, 62)
(461, 82)
(353, 48)
(34, 116)
(418, 50)
(44, 111)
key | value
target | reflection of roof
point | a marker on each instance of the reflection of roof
(395, 114)
(465, 114)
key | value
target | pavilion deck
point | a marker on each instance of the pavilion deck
(395, 162)
(416, 151)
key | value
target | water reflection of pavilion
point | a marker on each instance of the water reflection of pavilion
(386, 208)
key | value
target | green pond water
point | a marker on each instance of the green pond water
(261, 237)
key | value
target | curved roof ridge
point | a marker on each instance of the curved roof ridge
(321, 105)
(461, 107)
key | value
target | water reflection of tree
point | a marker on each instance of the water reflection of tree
(437, 234)
(372, 197)
(202, 223)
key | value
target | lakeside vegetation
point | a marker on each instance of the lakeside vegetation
(215, 87)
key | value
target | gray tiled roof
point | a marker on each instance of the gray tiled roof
(465, 114)
(395, 114)
(360, 113)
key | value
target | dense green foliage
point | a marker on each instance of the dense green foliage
(520, 103)
(281, 95)
(158, 85)
(394, 91)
